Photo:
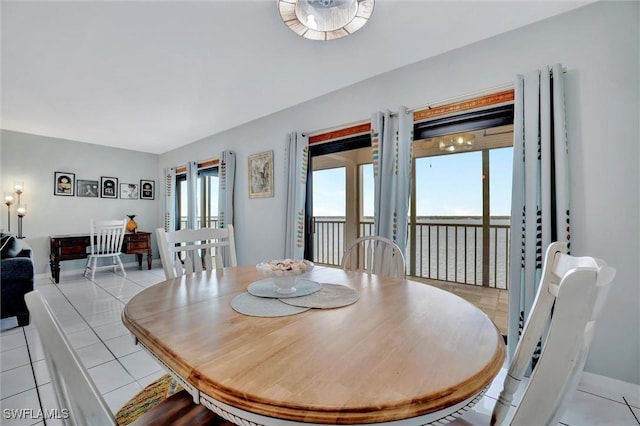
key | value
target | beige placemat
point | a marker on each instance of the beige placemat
(254, 306)
(329, 296)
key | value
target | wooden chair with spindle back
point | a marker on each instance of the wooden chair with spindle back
(194, 250)
(374, 255)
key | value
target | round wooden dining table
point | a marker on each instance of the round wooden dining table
(405, 352)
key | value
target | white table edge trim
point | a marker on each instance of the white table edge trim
(247, 418)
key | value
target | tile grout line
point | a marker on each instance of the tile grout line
(631, 409)
(33, 373)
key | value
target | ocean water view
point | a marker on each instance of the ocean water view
(446, 248)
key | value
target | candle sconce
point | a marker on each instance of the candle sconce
(8, 201)
(22, 212)
(18, 187)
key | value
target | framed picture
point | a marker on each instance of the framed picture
(128, 191)
(261, 175)
(87, 188)
(64, 183)
(108, 187)
(147, 189)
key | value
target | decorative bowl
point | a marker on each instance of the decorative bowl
(284, 273)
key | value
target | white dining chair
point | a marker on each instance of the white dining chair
(569, 299)
(77, 394)
(195, 250)
(106, 243)
(374, 255)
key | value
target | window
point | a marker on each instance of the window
(182, 206)
(329, 213)
(206, 198)
(207, 203)
(460, 215)
(459, 224)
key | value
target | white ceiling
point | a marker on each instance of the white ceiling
(156, 75)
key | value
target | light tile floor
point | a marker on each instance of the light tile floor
(90, 314)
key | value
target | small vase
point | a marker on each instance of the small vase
(131, 225)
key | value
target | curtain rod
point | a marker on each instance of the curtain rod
(486, 91)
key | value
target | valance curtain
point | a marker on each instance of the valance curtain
(391, 138)
(192, 194)
(170, 198)
(540, 195)
(297, 155)
(226, 182)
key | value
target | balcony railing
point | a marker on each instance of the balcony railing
(213, 220)
(446, 249)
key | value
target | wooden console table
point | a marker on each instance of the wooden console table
(73, 247)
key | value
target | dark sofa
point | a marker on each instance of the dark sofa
(17, 271)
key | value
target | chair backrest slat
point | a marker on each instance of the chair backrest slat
(191, 250)
(107, 236)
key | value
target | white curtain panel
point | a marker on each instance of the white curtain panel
(169, 198)
(391, 139)
(192, 194)
(226, 183)
(540, 198)
(297, 154)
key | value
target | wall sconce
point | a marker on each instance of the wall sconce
(8, 200)
(22, 212)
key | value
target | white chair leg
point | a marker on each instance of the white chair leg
(93, 269)
(124, 274)
(86, 268)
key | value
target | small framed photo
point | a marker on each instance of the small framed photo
(128, 191)
(87, 188)
(147, 189)
(108, 187)
(261, 175)
(64, 183)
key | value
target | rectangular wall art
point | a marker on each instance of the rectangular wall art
(87, 188)
(108, 187)
(128, 191)
(261, 175)
(147, 189)
(64, 183)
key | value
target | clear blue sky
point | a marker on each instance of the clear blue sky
(448, 185)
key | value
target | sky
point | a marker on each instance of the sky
(447, 185)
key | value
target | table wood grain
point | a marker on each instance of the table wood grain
(403, 350)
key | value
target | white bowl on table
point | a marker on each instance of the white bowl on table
(284, 273)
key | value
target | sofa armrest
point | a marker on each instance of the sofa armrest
(25, 252)
(17, 268)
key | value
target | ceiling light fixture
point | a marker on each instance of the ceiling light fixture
(456, 142)
(325, 19)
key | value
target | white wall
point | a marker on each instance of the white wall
(599, 46)
(34, 159)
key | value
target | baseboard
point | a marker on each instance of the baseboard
(155, 263)
(610, 388)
